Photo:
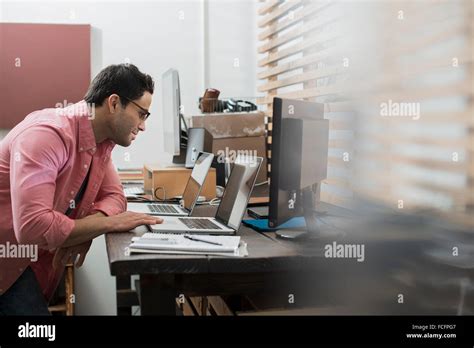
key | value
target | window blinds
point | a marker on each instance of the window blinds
(396, 79)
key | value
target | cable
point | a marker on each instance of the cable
(261, 183)
(213, 202)
(164, 193)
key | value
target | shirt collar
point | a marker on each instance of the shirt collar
(86, 140)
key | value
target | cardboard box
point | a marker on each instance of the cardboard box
(231, 125)
(236, 133)
(247, 146)
(169, 182)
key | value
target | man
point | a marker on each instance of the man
(59, 188)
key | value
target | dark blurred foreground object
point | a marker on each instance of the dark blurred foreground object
(413, 263)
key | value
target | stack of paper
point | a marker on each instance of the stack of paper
(162, 243)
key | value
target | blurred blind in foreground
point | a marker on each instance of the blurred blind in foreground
(397, 81)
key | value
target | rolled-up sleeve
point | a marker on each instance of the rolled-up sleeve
(110, 198)
(36, 156)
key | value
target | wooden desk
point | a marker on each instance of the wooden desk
(165, 277)
(403, 255)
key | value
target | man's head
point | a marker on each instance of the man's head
(123, 94)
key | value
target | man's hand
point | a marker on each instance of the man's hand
(118, 223)
(129, 220)
(67, 255)
(95, 225)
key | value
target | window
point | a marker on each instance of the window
(396, 78)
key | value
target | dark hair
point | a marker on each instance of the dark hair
(122, 79)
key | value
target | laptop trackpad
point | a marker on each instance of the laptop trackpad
(171, 222)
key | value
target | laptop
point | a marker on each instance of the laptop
(190, 195)
(231, 209)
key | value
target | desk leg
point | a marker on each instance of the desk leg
(123, 283)
(157, 294)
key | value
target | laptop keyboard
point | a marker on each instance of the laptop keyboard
(163, 209)
(200, 224)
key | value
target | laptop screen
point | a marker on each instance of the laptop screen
(238, 190)
(196, 180)
(191, 193)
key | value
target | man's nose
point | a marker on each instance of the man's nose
(141, 126)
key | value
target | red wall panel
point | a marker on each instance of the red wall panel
(41, 65)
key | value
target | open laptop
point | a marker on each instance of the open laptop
(231, 209)
(190, 195)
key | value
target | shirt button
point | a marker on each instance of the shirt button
(81, 149)
(72, 192)
(85, 165)
(95, 186)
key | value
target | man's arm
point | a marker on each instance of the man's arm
(74, 247)
(98, 224)
(36, 157)
(108, 213)
(110, 198)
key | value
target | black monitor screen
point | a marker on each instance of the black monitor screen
(299, 155)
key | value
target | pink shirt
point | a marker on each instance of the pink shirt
(43, 162)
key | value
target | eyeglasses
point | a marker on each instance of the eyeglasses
(145, 111)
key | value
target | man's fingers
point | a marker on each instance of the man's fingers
(66, 258)
(130, 220)
(153, 221)
(81, 259)
(145, 219)
(62, 257)
(142, 216)
(137, 215)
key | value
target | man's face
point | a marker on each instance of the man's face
(129, 120)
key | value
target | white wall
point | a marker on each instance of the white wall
(200, 39)
(231, 42)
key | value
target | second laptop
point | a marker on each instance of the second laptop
(190, 196)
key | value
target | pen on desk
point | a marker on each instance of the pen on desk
(201, 240)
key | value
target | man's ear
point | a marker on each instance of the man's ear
(113, 102)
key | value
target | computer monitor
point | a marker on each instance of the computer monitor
(174, 127)
(299, 150)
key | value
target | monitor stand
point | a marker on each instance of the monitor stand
(310, 217)
(291, 234)
(180, 160)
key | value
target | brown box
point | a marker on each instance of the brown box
(172, 181)
(232, 125)
(235, 133)
(248, 146)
